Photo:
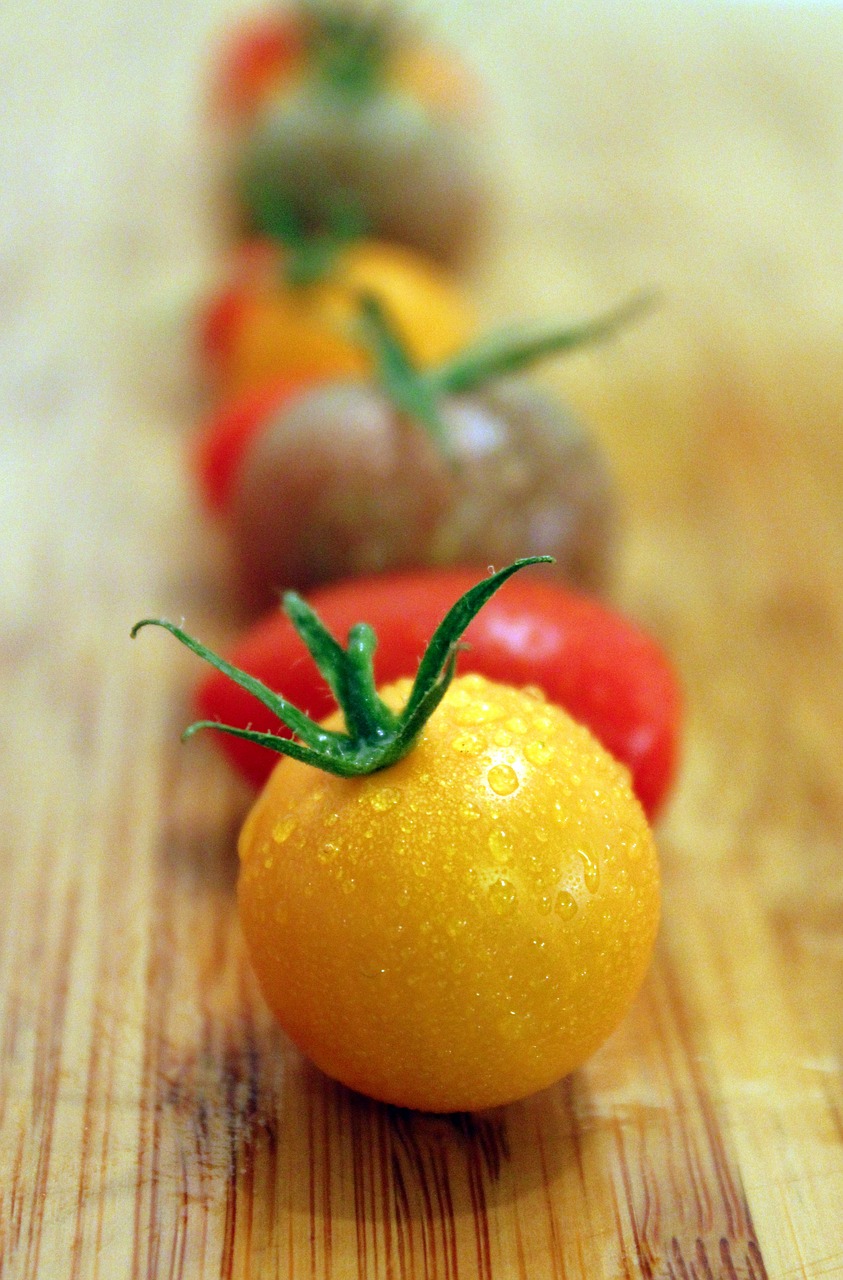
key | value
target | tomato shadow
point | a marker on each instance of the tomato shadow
(373, 1178)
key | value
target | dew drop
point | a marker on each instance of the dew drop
(471, 811)
(517, 724)
(501, 845)
(545, 904)
(468, 744)
(478, 713)
(502, 896)
(327, 853)
(591, 871)
(503, 779)
(501, 738)
(383, 798)
(565, 906)
(539, 753)
(283, 829)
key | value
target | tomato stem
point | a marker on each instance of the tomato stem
(420, 393)
(375, 736)
(348, 50)
(507, 352)
(402, 381)
(311, 254)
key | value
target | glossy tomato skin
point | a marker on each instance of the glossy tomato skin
(604, 670)
(465, 927)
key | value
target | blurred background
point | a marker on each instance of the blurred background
(693, 147)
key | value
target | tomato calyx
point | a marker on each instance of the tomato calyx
(312, 253)
(375, 736)
(348, 51)
(419, 393)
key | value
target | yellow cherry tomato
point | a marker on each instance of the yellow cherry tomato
(464, 927)
(435, 78)
(279, 330)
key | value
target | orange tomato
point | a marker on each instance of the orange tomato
(260, 328)
(436, 79)
(463, 927)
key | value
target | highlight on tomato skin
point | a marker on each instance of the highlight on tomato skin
(604, 670)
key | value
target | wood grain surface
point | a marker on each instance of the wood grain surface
(153, 1120)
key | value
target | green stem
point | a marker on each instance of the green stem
(348, 51)
(375, 736)
(406, 387)
(420, 393)
(311, 254)
(504, 353)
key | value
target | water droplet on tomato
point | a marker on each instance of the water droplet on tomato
(468, 744)
(591, 871)
(384, 798)
(471, 811)
(502, 896)
(565, 905)
(503, 779)
(538, 753)
(283, 829)
(501, 845)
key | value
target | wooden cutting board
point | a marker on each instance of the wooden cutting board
(153, 1121)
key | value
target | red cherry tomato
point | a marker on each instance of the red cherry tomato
(259, 54)
(604, 670)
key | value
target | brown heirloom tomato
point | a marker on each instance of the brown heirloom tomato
(326, 102)
(319, 480)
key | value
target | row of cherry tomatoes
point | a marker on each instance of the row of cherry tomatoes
(358, 436)
(456, 905)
